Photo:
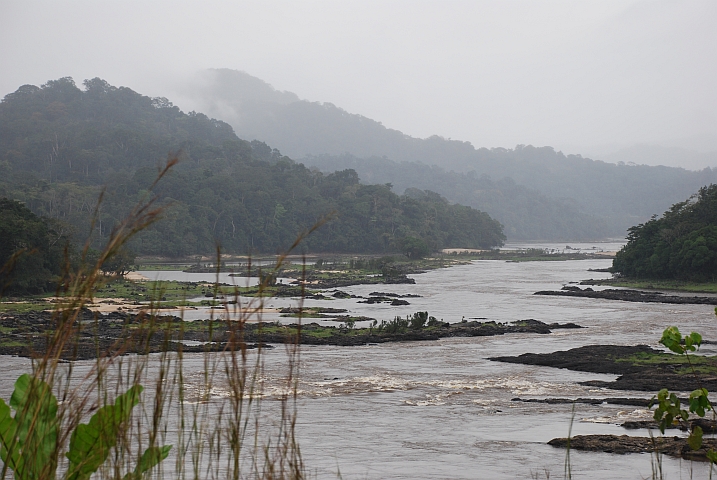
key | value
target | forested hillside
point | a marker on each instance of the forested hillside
(621, 195)
(525, 213)
(682, 244)
(60, 144)
(31, 250)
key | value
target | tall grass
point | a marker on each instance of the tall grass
(211, 407)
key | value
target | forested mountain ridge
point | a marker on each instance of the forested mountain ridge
(621, 195)
(681, 244)
(59, 144)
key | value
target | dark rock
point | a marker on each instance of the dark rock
(623, 444)
(611, 359)
(707, 426)
(590, 358)
(629, 296)
(297, 310)
(648, 424)
(396, 302)
(635, 402)
(555, 326)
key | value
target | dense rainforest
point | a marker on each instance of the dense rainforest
(32, 249)
(682, 244)
(573, 191)
(61, 145)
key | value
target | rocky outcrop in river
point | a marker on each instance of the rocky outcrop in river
(622, 444)
(640, 367)
(121, 333)
(629, 295)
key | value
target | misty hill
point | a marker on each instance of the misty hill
(620, 194)
(59, 145)
(659, 155)
(525, 213)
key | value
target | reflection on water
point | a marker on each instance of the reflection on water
(439, 409)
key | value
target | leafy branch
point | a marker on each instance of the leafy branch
(669, 409)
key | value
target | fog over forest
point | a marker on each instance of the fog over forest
(616, 80)
(545, 115)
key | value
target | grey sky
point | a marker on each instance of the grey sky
(577, 75)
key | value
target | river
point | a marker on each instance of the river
(439, 409)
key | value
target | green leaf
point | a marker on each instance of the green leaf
(90, 444)
(695, 338)
(668, 409)
(691, 340)
(36, 422)
(672, 339)
(9, 448)
(712, 455)
(695, 438)
(699, 402)
(150, 458)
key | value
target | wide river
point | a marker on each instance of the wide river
(439, 409)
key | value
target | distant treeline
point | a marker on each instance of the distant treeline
(524, 212)
(682, 244)
(60, 145)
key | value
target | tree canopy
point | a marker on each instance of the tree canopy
(31, 249)
(59, 145)
(682, 244)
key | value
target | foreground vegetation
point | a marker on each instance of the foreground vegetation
(211, 414)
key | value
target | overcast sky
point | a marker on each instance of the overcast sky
(577, 75)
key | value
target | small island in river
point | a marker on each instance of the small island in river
(626, 295)
(640, 367)
(121, 333)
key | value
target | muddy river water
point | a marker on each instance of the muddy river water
(439, 409)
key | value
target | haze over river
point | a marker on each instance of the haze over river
(439, 409)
